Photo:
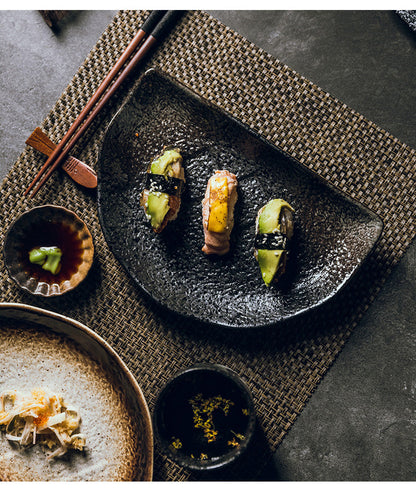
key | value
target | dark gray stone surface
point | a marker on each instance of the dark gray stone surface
(36, 65)
(361, 422)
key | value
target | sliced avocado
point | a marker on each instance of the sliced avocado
(157, 207)
(269, 215)
(269, 261)
(160, 165)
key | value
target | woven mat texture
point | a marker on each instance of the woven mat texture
(283, 365)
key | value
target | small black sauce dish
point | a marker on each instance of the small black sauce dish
(204, 417)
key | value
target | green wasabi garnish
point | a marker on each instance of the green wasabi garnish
(37, 256)
(47, 257)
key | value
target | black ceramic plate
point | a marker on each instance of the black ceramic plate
(409, 17)
(333, 234)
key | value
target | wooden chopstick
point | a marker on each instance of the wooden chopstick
(158, 23)
(147, 26)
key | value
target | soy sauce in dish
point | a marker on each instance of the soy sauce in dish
(48, 234)
(207, 426)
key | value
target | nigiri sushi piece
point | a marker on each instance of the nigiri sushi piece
(274, 230)
(218, 212)
(161, 198)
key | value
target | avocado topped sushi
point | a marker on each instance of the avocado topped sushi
(161, 197)
(274, 230)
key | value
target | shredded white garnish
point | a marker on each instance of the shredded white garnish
(40, 417)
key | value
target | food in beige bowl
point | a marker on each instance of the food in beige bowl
(40, 349)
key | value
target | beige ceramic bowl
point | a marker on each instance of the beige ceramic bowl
(48, 225)
(42, 349)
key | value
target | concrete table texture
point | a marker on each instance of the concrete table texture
(360, 424)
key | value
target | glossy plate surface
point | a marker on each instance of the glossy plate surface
(39, 348)
(333, 235)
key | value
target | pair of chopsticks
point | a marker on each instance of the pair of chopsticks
(152, 31)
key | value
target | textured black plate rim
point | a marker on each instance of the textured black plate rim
(193, 96)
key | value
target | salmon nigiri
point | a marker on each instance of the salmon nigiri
(218, 212)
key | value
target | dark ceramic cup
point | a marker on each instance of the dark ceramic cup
(204, 417)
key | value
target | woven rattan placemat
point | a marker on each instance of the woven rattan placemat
(324, 134)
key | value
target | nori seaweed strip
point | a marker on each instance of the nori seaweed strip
(271, 241)
(158, 182)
